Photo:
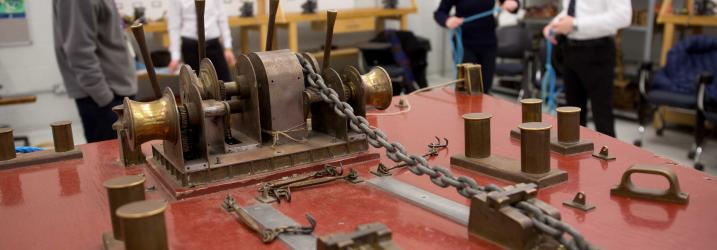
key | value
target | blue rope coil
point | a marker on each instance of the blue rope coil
(25, 150)
(548, 90)
(457, 43)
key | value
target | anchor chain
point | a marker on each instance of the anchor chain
(440, 176)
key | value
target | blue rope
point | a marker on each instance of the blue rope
(27, 149)
(548, 90)
(458, 33)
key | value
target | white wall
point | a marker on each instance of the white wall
(31, 68)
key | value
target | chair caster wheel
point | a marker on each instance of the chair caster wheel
(699, 166)
(659, 132)
(691, 154)
(637, 143)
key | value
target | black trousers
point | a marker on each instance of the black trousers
(485, 56)
(589, 73)
(215, 52)
(97, 121)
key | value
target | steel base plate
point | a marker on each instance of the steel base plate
(257, 165)
(559, 147)
(509, 169)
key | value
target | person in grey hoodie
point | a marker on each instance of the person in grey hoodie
(94, 60)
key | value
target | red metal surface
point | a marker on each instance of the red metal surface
(63, 205)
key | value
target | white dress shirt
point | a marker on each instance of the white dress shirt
(598, 18)
(182, 22)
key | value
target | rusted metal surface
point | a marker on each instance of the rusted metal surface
(7, 144)
(672, 194)
(143, 225)
(281, 85)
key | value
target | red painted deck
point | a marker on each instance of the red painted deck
(64, 206)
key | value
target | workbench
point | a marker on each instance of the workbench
(349, 20)
(63, 205)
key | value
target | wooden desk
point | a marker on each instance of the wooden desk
(42, 206)
(290, 22)
(11, 100)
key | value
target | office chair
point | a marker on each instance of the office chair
(675, 85)
(513, 57)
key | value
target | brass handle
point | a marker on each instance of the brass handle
(673, 194)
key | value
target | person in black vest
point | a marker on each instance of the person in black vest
(584, 33)
(479, 38)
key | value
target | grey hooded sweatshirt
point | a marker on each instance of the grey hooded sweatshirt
(91, 50)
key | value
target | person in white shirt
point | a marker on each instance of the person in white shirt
(584, 33)
(182, 25)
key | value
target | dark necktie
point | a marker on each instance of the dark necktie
(571, 8)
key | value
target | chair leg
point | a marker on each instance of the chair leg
(698, 154)
(699, 134)
(643, 113)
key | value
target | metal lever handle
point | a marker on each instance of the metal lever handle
(628, 189)
(273, 8)
(330, 22)
(138, 31)
(199, 5)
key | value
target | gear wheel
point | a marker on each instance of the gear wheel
(222, 91)
(184, 128)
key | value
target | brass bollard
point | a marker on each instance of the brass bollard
(121, 191)
(532, 110)
(7, 144)
(568, 124)
(477, 135)
(535, 147)
(62, 136)
(473, 79)
(143, 225)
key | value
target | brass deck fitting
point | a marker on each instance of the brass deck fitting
(143, 225)
(7, 144)
(568, 124)
(62, 136)
(128, 156)
(568, 141)
(531, 111)
(534, 165)
(470, 78)
(477, 135)
(121, 191)
(535, 147)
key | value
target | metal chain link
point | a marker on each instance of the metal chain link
(440, 176)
